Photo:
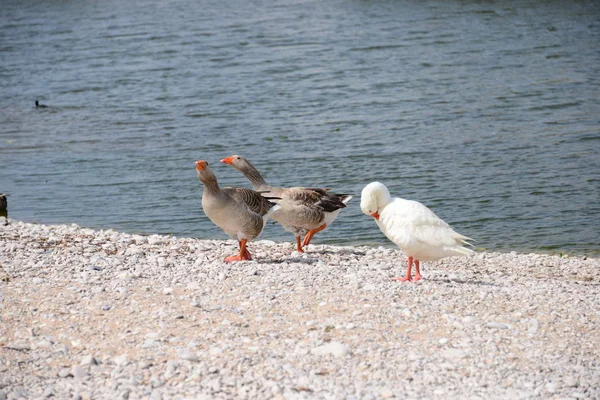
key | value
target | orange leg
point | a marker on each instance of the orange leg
(418, 276)
(311, 233)
(244, 253)
(298, 245)
(408, 272)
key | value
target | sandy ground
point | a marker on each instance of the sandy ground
(91, 314)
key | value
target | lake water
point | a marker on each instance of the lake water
(488, 112)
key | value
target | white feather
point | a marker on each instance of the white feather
(413, 227)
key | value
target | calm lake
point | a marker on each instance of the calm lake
(488, 112)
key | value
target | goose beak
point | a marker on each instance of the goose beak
(228, 160)
(375, 215)
(200, 165)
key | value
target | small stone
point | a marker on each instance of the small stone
(386, 393)
(188, 355)
(497, 325)
(533, 326)
(140, 239)
(78, 372)
(121, 360)
(19, 394)
(76, 396)
(48, 392)
(443, 341)
(88, 360)
(44, 344)
(154, 240)
(335, 348)
(167, 290)
(125, 276)
(2, 395)
(155, 395)
(65, 372)
(571, 381)
(20, 346)
(455, 353)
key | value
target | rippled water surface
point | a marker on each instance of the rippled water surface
(488, 112)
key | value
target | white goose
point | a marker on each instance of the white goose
(304, 211)
(242, 213)
(414, 228)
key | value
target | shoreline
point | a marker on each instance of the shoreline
(326, 240)
(103, 314)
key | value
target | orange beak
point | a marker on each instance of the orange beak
(200, 165)
(228, 160)
(375, 215)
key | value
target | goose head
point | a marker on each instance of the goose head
(203, 171)
(374, 197)
(237, 162)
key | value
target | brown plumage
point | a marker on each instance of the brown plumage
(241, 213)
(304, 211)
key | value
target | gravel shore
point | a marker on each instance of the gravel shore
(98, 314)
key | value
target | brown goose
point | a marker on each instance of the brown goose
(304, 211)
(241, 213)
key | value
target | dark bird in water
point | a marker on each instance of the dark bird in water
(3, 208)
(38, 105)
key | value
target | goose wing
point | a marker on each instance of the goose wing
(316, 197)
(410, 223)
(253, 199)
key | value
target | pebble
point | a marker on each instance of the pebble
(188, 355)
(88, 360)
(155, 395)
(497, 325)
(329, 323)
(64, 372)
(18, 345)
(121, 360)
(78, 372)
(48, 392)
(455, 353)
(335, 348)
(533, 326)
